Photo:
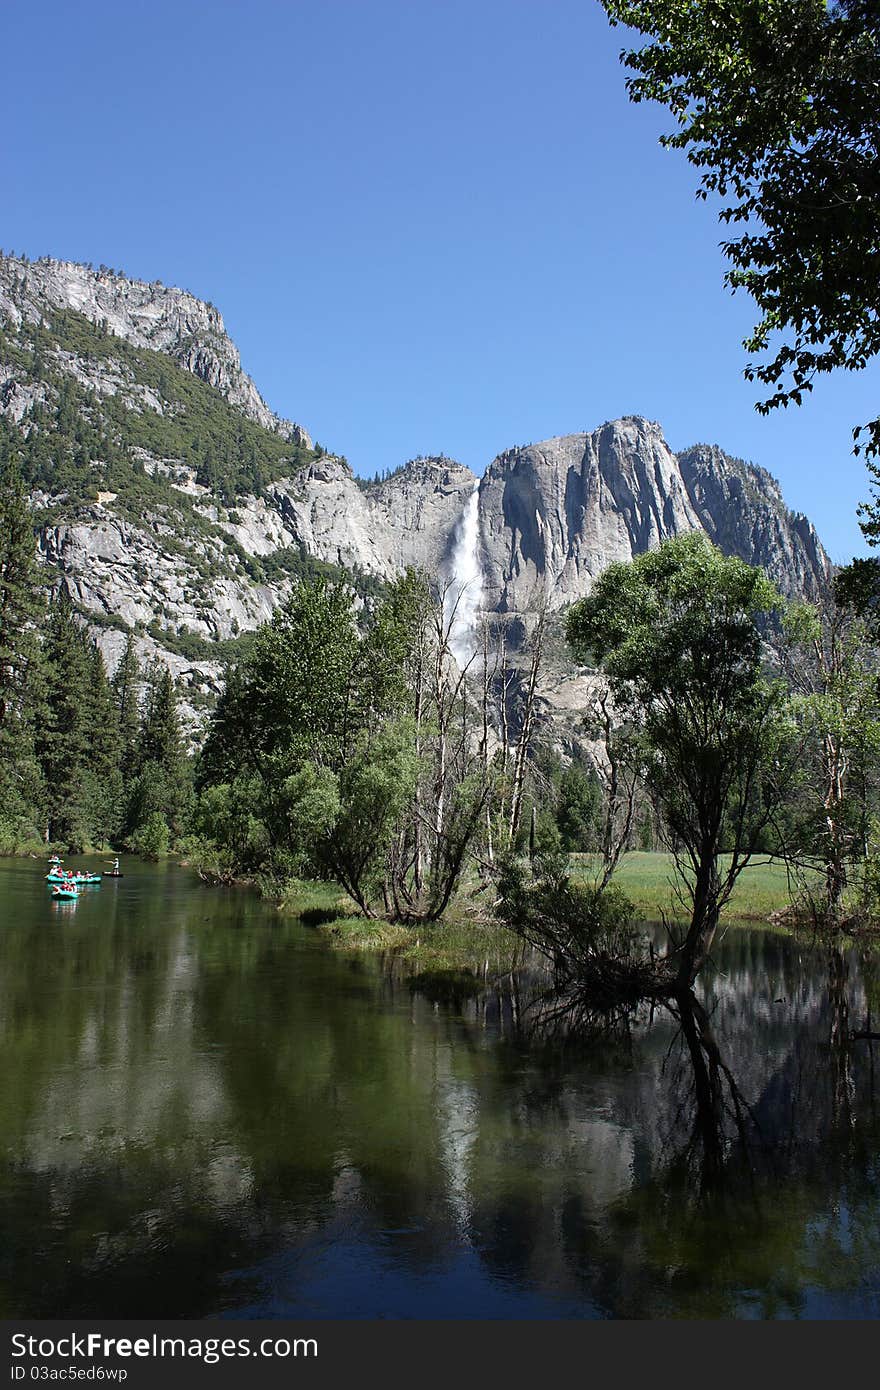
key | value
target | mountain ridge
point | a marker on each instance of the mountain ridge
(147, 314)
(173, 503)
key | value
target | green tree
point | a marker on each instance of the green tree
(374, 791)
(78, 739)
(152, 837)
(230, 837)
(579, 807)
(22, 609)
(103, 771)
(776, 104)
(64, 735)
(125, 684)
(163, 787)
(348, 750)
(833, 671)
(292, 699)
(677, 635)
(295, 701)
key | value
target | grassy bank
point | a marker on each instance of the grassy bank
(12, 848)
(463, 940)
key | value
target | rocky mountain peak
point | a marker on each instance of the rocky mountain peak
(434, 474)
(557, 513)
(147, 315)
(741, 509)
(327, 469)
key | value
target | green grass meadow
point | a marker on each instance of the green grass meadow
(648, 880)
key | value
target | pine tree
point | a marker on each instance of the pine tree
(22, 607)
(79, 742)
(103, 775)
(125, 683)
(163, 788)
(63, 743)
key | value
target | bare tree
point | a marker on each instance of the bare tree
(833, 672)
(618, 776)
(415, 799)
(527, 726)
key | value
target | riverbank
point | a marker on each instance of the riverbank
(469, 940)
(12, 848)
(466, 939)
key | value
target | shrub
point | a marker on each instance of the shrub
(151, 839)
(570, 923)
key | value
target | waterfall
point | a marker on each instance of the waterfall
(464, 597)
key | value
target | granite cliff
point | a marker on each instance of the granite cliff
(554, 515)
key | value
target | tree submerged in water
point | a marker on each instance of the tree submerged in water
(584, 931)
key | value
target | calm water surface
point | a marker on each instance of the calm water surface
(205, 1111)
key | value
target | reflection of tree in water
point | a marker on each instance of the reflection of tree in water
(109, 1173)
(753, 1131)
(718, 1103)
(840, 1065)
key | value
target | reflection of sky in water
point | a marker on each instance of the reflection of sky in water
(206, 1110)
(364, 1280)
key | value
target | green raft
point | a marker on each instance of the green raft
(77, 879)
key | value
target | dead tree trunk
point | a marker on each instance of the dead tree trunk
(524, 742)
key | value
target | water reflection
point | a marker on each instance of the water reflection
(751, 1188)
(206, 1111)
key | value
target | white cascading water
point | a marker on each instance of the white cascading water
(464, 597)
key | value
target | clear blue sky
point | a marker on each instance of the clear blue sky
(431, 225)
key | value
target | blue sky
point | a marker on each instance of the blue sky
(431, 226)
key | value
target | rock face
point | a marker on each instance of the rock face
(185, 565)
(378, 528)
(145, 315)
(741, 509)
(115, 569)
(420, 506)
(555, 515)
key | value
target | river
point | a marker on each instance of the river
(208, 1112)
